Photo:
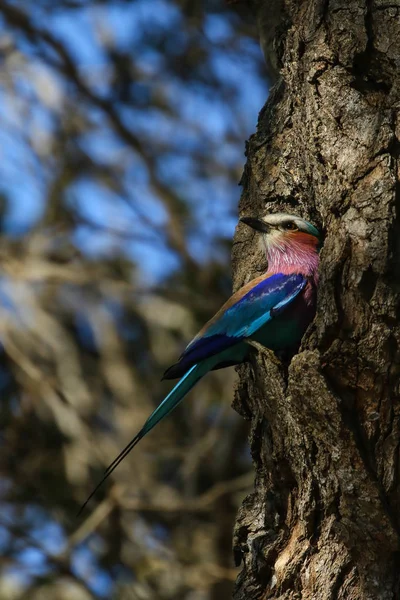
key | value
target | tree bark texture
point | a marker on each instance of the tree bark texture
(324, 519)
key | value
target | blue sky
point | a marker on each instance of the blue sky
(197, 141)
(193, 126)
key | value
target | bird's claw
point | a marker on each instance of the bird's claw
(264, 350)
(259, 347)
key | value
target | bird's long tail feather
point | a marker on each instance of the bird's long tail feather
(163, 409)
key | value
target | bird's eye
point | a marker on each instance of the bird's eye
(290, 226)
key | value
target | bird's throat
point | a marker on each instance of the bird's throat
(297, 254)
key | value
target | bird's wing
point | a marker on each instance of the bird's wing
(245, 312)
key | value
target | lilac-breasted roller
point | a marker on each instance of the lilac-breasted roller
(273, 310)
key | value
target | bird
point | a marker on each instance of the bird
(273, 310)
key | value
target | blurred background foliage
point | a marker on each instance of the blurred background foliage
(121, 142)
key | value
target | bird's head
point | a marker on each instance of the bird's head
(279, 227)
(288, 238)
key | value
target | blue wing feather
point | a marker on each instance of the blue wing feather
(242, 319)
(257, 307)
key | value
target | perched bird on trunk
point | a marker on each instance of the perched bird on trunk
(274, 310)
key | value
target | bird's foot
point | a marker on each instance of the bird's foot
(263, 350)
(259, 347)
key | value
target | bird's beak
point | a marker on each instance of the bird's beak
(256, 224)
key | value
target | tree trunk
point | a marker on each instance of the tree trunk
(324, 519)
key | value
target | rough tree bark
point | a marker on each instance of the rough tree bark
(324, 519)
